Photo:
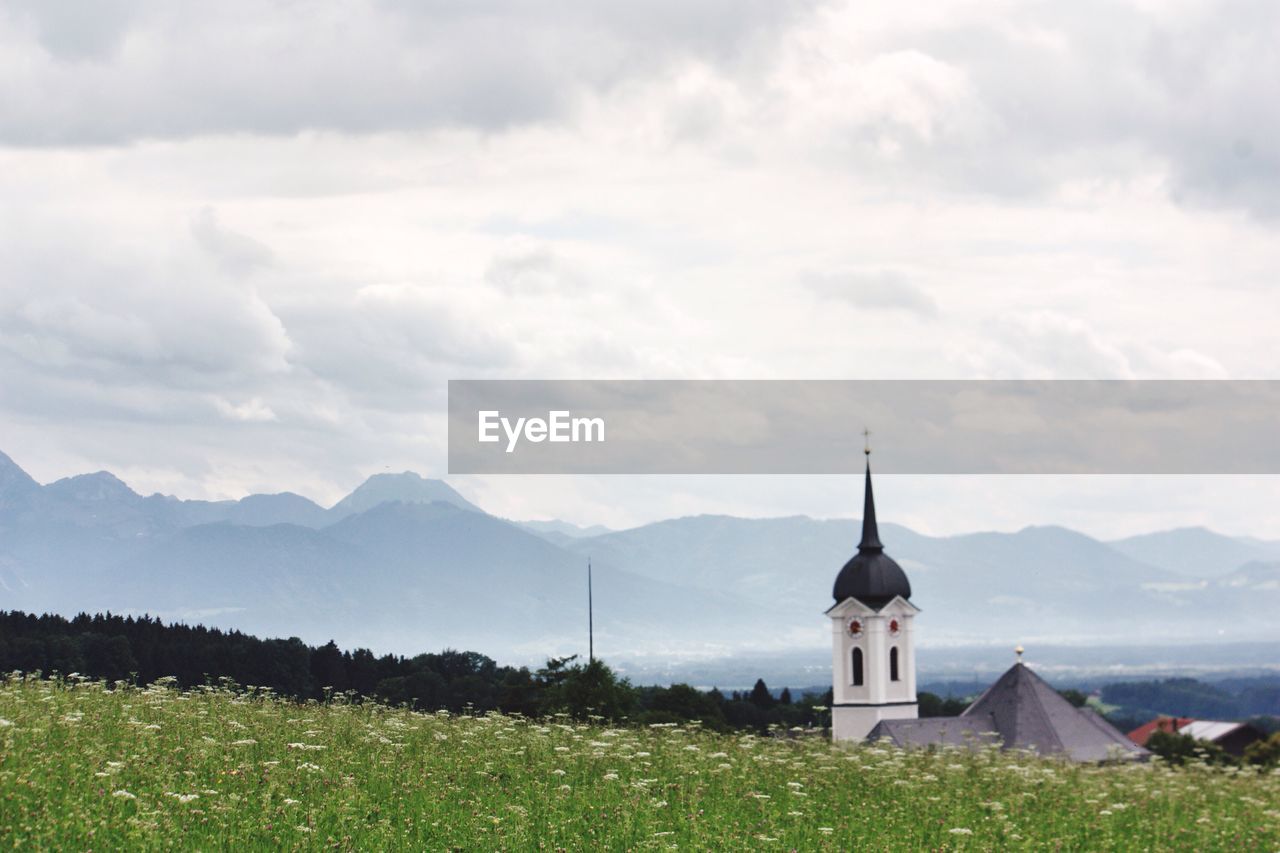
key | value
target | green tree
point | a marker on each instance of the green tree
(1264, 753)
(760, 695)
(586, 691)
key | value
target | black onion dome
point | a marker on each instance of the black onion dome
(871, 576)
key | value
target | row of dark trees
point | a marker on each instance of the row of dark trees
(143, 649)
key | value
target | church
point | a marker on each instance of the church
(873, 675)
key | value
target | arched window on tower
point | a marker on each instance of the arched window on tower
(893, 664)
(857, 667)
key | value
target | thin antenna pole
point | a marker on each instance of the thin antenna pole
(591, 628)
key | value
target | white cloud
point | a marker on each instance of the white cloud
(118, 317)
(253, 410)
(883, 289)
(158, 70)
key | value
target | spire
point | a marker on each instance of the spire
(870, 532)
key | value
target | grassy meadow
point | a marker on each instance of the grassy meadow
(83, 767)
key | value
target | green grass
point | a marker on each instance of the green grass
(82, 767)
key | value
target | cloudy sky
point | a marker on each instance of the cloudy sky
(244, 245)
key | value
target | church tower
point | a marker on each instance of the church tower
(873, 654)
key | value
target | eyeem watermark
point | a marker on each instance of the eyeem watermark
(815, 426)
(558, 426)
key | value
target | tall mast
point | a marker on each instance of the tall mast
(591, 630)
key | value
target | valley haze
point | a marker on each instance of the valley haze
(405, 564)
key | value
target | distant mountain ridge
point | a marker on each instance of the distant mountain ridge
(405, 563)
(1196, 551)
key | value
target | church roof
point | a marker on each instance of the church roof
(871, 575)
(953, 731)
(1029, 714)
(1019, 711)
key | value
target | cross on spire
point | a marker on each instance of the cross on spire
(866, 441)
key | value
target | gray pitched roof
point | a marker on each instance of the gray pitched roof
(953, 731)
(1029, 714)
(1019, 711)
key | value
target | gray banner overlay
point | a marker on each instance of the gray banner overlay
(816, 426)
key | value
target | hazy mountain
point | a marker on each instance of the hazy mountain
(560, 532)
(1038, 582)
(1195, 551)
(398, 576)
(406, 488)
(282, 508)
(16, 486)
(1252, 578)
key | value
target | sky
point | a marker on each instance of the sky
(243, 246)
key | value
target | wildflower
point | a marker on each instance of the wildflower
(960, 830)
(123, 794)
(609, 777)
(5, 723)
(826, 830)
(288, 801)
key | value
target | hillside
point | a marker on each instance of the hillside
(91, 768)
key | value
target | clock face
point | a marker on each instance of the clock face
(894, 627)
(855, 627)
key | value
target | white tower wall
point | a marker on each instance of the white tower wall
(855, 709)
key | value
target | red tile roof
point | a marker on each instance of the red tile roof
(1164, 724)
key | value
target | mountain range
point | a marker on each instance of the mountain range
(407, 564)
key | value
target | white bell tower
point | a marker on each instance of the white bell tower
(873, 654)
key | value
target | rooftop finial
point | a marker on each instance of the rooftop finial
(866, 441)
(1018, 651)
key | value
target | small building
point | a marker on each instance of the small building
(1168, 725)
(1233, 738)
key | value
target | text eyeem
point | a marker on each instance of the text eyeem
(558, 426)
